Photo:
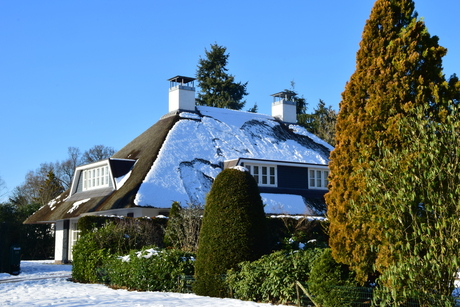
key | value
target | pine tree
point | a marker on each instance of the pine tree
(233, 230)
(218, 88)
(49, 189)
(321, 122)
(398, 68)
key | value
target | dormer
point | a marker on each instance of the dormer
(181, 94)
(283, 108)
(100, 178)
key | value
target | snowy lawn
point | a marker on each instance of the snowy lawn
(31, 291)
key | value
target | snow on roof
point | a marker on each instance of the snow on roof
(285, 204)
(196, 147)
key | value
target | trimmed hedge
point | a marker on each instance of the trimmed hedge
(233, 230)
(150, 269)
(116, 236)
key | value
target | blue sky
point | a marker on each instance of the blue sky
(83, 73)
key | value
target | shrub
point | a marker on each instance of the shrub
(328, 280)
(116, 237)
(272, 278)
(233, 230)
(150, 269)
(183, 228)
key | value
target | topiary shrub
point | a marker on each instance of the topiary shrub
(332, 283)
(233, 230)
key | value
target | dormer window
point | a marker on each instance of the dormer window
(101, 177)
(96, 178)
(318, 179)
(265, 175)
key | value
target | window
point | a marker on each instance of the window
(95, 178)
(263, 174)
(318, 179)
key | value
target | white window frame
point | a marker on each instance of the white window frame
(318, 178)
(96, 177)
(265, 175)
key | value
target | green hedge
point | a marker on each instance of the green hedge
(149, 270)
(116, 236)
(272, 278)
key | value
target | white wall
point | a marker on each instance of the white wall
(58, 238)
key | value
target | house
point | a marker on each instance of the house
(178, 158)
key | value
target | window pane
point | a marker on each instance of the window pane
(318, 179)
(264, 170)
(272, 171)
(272, 179)
(256, 170)
(312, 178)
(326, 181)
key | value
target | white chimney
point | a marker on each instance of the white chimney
(181, 94)
(283, 108)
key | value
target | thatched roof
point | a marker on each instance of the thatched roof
(144, 149)
(178, 158)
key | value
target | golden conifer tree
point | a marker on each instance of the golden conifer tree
(398, 68)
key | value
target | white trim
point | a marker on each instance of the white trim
(80, 169)
(278, 163)
(266, 175)
(317, 178)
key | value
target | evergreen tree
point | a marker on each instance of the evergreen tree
(218, 88)
(233, 230)
(414, 192)
(321, 122)
(49, 189)
(398, 68)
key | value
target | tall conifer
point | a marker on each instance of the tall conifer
(218, 88)
(398, 68)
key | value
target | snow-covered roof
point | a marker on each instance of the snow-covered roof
(197, 146)
(178, 158)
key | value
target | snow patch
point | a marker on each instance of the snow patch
(120, 181)
(77, 204)
(285, 204)
(190, 115)
(240, 168)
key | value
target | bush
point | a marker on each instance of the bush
(272, 278)
(233, 230)
(329, 281)
(183, 228)
(149, 270)
(116, 237)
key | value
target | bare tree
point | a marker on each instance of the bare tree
(97, 153)
(66, 169)
(184, 227)
(3, 189)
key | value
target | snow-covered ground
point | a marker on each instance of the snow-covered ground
(27, 289)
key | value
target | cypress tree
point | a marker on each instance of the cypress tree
(398, 68)
(233, 230)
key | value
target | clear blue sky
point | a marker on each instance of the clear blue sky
(82, 73)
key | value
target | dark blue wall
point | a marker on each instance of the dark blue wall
(292, 177)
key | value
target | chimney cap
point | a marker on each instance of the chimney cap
(284, 95)
(181, 79)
